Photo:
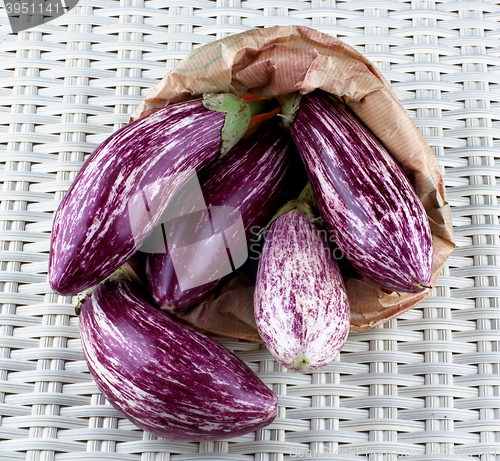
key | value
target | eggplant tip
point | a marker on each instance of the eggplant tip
(302, 364)
(419, 286)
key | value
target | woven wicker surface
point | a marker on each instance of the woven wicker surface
(426, 384)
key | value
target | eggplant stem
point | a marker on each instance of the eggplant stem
(238, 115)
(262, 105)
(297, 204)
(78, 306)
(118, 274)
(290, 104)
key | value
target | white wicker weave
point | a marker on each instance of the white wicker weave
(426, 384)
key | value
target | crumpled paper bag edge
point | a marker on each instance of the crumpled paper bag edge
(362, 86)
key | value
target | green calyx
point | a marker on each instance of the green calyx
(290, 104)
(118, 274)
(240, 112)
(308, 196)
(305, 203)
(238, 115)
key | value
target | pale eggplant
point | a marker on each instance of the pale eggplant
(259, 174)
(101, 221)
(166, 378)
(369, 205)
(301, 306)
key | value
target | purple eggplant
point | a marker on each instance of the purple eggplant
(101, 221)
(301, 306)
(369, 206)
(165, 377)
(257, 176)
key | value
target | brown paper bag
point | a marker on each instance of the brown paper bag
(281, 60)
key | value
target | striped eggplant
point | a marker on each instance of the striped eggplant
(258, 175)
(368, 203)
(165, 377)
(101, 221)
(301, 306)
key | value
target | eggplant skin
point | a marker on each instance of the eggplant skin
(259, 174)
(166, 378)
(301, 306)
(92, 235)
(370, 208)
